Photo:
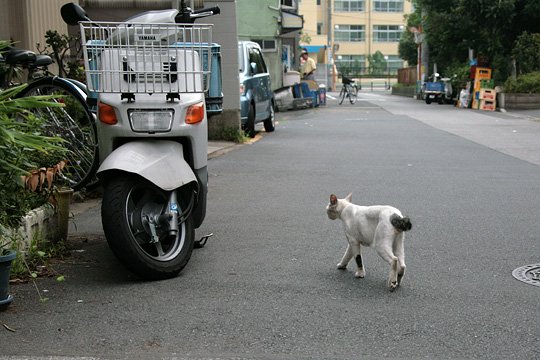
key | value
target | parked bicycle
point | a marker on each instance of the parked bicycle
(73, 122)
(349, 90)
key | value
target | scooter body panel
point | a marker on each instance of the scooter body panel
(196, 134)
(159, 161)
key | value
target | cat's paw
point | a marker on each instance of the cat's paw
(392, 285)
(341, 266)
(360, 274)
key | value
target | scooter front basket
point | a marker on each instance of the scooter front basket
(147, 58)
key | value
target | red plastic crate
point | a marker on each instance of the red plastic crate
(487, 105)
(488, 94)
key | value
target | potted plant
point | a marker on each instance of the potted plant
(6, 258)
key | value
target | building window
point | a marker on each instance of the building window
(386, 33)
(394, 63)
(318, 2)
(388, 5)
(266, 45)
(288, 3)
(349, 5)
(351, 65)
(349, 33)
(319, 28)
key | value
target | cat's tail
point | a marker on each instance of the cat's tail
(401, 223)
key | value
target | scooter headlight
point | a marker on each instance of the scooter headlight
(148, 120)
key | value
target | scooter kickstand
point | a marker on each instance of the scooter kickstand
(199, 244)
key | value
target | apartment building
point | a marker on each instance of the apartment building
(354, 29)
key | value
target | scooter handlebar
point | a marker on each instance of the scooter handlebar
(214, 10)
(189, 16)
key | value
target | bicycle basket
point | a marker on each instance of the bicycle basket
(146, 58)
(346, 80)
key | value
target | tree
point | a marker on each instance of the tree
(452, 27)
(62, 49)
(407, 47)
(526, 53)
(377, 63)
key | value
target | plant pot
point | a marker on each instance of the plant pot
(6, 259)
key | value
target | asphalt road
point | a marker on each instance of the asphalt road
(266, 285)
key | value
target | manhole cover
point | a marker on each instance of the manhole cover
(529, 274)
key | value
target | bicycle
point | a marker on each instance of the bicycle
(74, 122)
(349, 90)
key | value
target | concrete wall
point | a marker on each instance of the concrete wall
(225, 34)
(518, 101)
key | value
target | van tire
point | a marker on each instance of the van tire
(269, 124)
(250, 125)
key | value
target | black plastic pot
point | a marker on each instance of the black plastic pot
(6, 258)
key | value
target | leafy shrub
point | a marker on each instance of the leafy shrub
(65, 50)
(22, 148)
(524, 84)
(525, 51)
(459, 75)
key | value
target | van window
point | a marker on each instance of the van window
(255, 56)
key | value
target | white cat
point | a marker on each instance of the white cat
(380, 227)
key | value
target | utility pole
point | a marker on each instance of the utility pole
(425, 52)
(330, 46)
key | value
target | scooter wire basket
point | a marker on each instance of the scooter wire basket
(131, 58)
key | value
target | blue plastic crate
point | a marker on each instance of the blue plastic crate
(214, 97)
(297, 91)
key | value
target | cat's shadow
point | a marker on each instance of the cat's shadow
(347, 286)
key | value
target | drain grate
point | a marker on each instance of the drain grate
(529, 274)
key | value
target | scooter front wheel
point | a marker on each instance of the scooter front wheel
(148, 250)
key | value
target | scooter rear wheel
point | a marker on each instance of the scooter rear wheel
(128, 201)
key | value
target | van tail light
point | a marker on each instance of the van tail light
(195, 113)
(107, 114)
(242, 89)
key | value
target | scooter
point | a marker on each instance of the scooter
(149, 76)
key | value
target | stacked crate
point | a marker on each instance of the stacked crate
(488, 98)
(480, 77)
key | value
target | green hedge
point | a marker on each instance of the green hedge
(524, 84)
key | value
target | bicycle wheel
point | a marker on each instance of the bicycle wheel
(342, 94)
(353, 94)
(74, 123)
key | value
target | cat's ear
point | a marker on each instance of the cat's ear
(349, 197)
(333, 200)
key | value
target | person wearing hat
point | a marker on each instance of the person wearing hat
(307, 66)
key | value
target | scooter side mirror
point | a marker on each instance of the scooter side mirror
(72, 14)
